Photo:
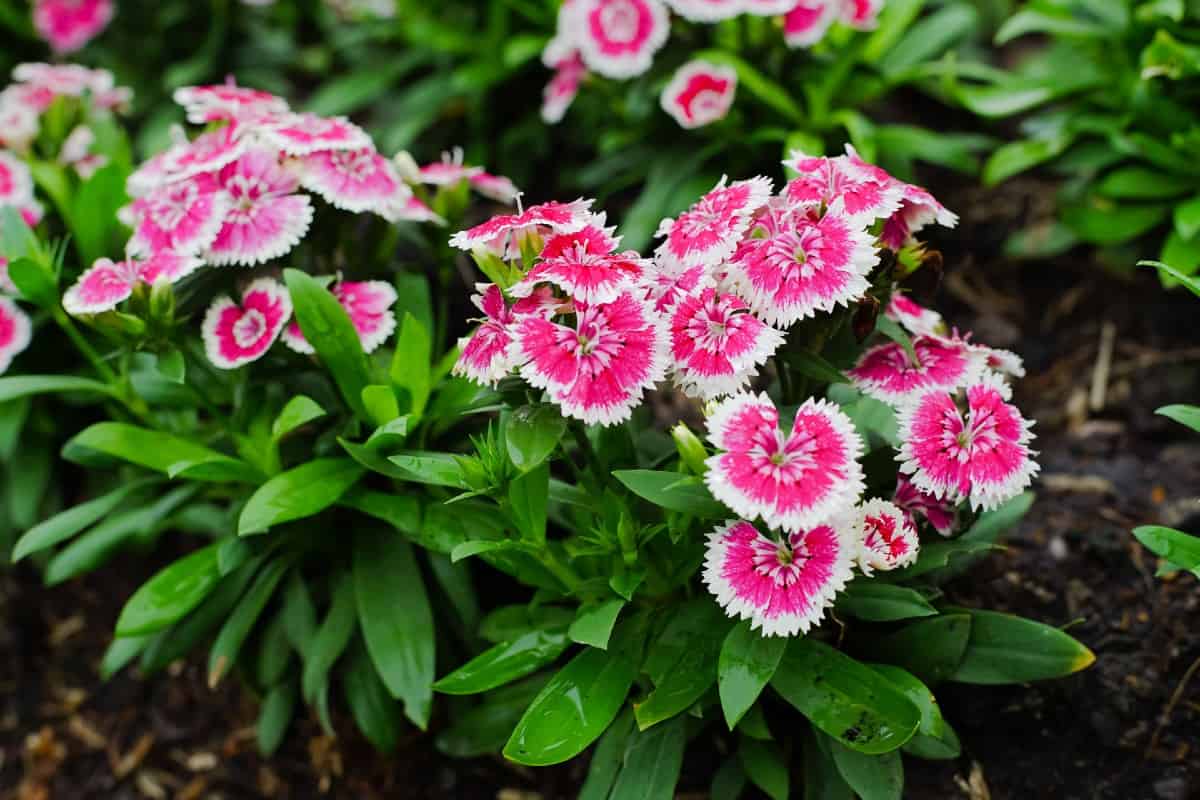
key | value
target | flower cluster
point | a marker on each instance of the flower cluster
(595, 327)
(619, 38)
(16, 192)
(36, 87)
(243, 193)
(67, 25)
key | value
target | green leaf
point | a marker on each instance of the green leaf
(15, 386)
(844, 698)
(1045, 18)
(413, 297)
(1006, 649)
(822, 780)
(1184, 415)
(1177, 547)
(812, 365)
(66, 524)
(170, 594)
(298, 493)
(93, 219)
(1017, 157)
(275, 716)
(573, 709)
(935, 739)
(120, 651)
(883, 602)
(1101, 221)
(233, 633)
(765, 767)
(673, 491)
(327, 326)
(528, 494)
(931, 649)
(437, 469)
(747, 662)
(872, 777)
(300, 410)
(1189, 282)
(331, 638)
(483, 730)
(1142, 183)
(411, 363)
(504, 663)
(35, 282)
(652, 763)
(531, 433)
(929, 38)
(374, 711)
(162, 452)
(397, 626)
(381, 404)
(1187, 218)
(757, 84)
(607, 759)
(682, 661)
(477, 547)
(892, 330)
(594, 624)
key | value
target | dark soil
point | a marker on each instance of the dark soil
(1126, 729)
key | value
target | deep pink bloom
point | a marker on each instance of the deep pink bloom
(667, 282)
(598, 369)
(618, 38)
(585, 266)
(708, 233)
(495, 187)
(717, 344)
(449, 171)
(978, 453)
(354, 180)
(16, 332)
(266, 218)
(553, 217)
(16, 188)
(915, 318)
(560, 92)
(886, 372)
(783, 587)
(228, 101)
(794, 266)
(369, 305)
(107, 284)
(809, 21)
(235, 335)
(940, 514)
(70, 24)
(918, 207)
(706, 10)
(208, 152)
(791, 481)
(488, 353)
(887, 538)
(699, 93)
(184, 216)
(822, 180)
(861, 14)
(304, 133)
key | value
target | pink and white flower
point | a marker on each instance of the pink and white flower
(914, 317)
(979, 452)
(18, 122)
(887, 372)
(355, 180)
(560, 92)
(618, 38)
(717, 344)
(495, 187)
(794, 266)
(208, 152)
(16, 332)
(822, 180)
(918, 207)
(709, 232)
(414, 210)
(449, 171)
(809, 21)
(70, 24)
(887, 538)
(667, 283)
(305, 133)
(791, 481)
(585, 265)
(109, 283)
(699, 93)
(783, 587)
(16, 181)
(941, 515)
(266, 218)
(227, 101)
(488, 354)
(706, 10)
(597, 370)
(184, 216)
(1004, 362)
(238, 334)
(548, 217)
(768, 8)
(369, 305)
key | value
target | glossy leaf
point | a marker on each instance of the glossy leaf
(607, 759)
(1178, 548)
(673, 491)
(1006, 649)
(401, 511)
(765, 767)
(331, 638)
(504, 663)
(397, 625)
(170, 594)
(1184, 415)
(573, 709)
(872, 777)
(747, 662)
(14, 386)
(531, 433)
(930, 648)
(883, 602)
(594, 624)
(935, 739)
(437, 469)
(374, 711)
(1190, 282)
(162, 452)
(845, 698)
(298, 493)
(483, 730)
(299, 411)
(410, 364)
(682, 661)
(278, 708)
(66, 524)
(233, 633)
(652, 763)
(528, 495)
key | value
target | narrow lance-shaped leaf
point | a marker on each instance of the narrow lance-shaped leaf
(170, 594)
(298, 493)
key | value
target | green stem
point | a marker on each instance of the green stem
(597, 465)
(556, 567)
(103, 370)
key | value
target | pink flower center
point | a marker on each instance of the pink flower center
(356, 165)
(250, 328)
(620, 21)
(174, 207)
(779, 561)
(881, 535)
(246, 192)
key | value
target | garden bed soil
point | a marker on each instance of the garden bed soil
(1126, 729)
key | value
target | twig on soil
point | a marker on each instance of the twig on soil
(1176, 696)
(1155, 358)
(1100, 373)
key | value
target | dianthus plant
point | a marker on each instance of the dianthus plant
(733, 475)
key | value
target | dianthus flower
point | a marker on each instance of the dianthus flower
(710, 231)
(16, 332)
(717, 344)
(699, 93)
(70, 24)
(887, 537)
(108, 283)
(940, 514)
(369, 306)
(585, 264)
(551, 217)
(239, 334)
(822, 180)
(618, 38)
(887, 372)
